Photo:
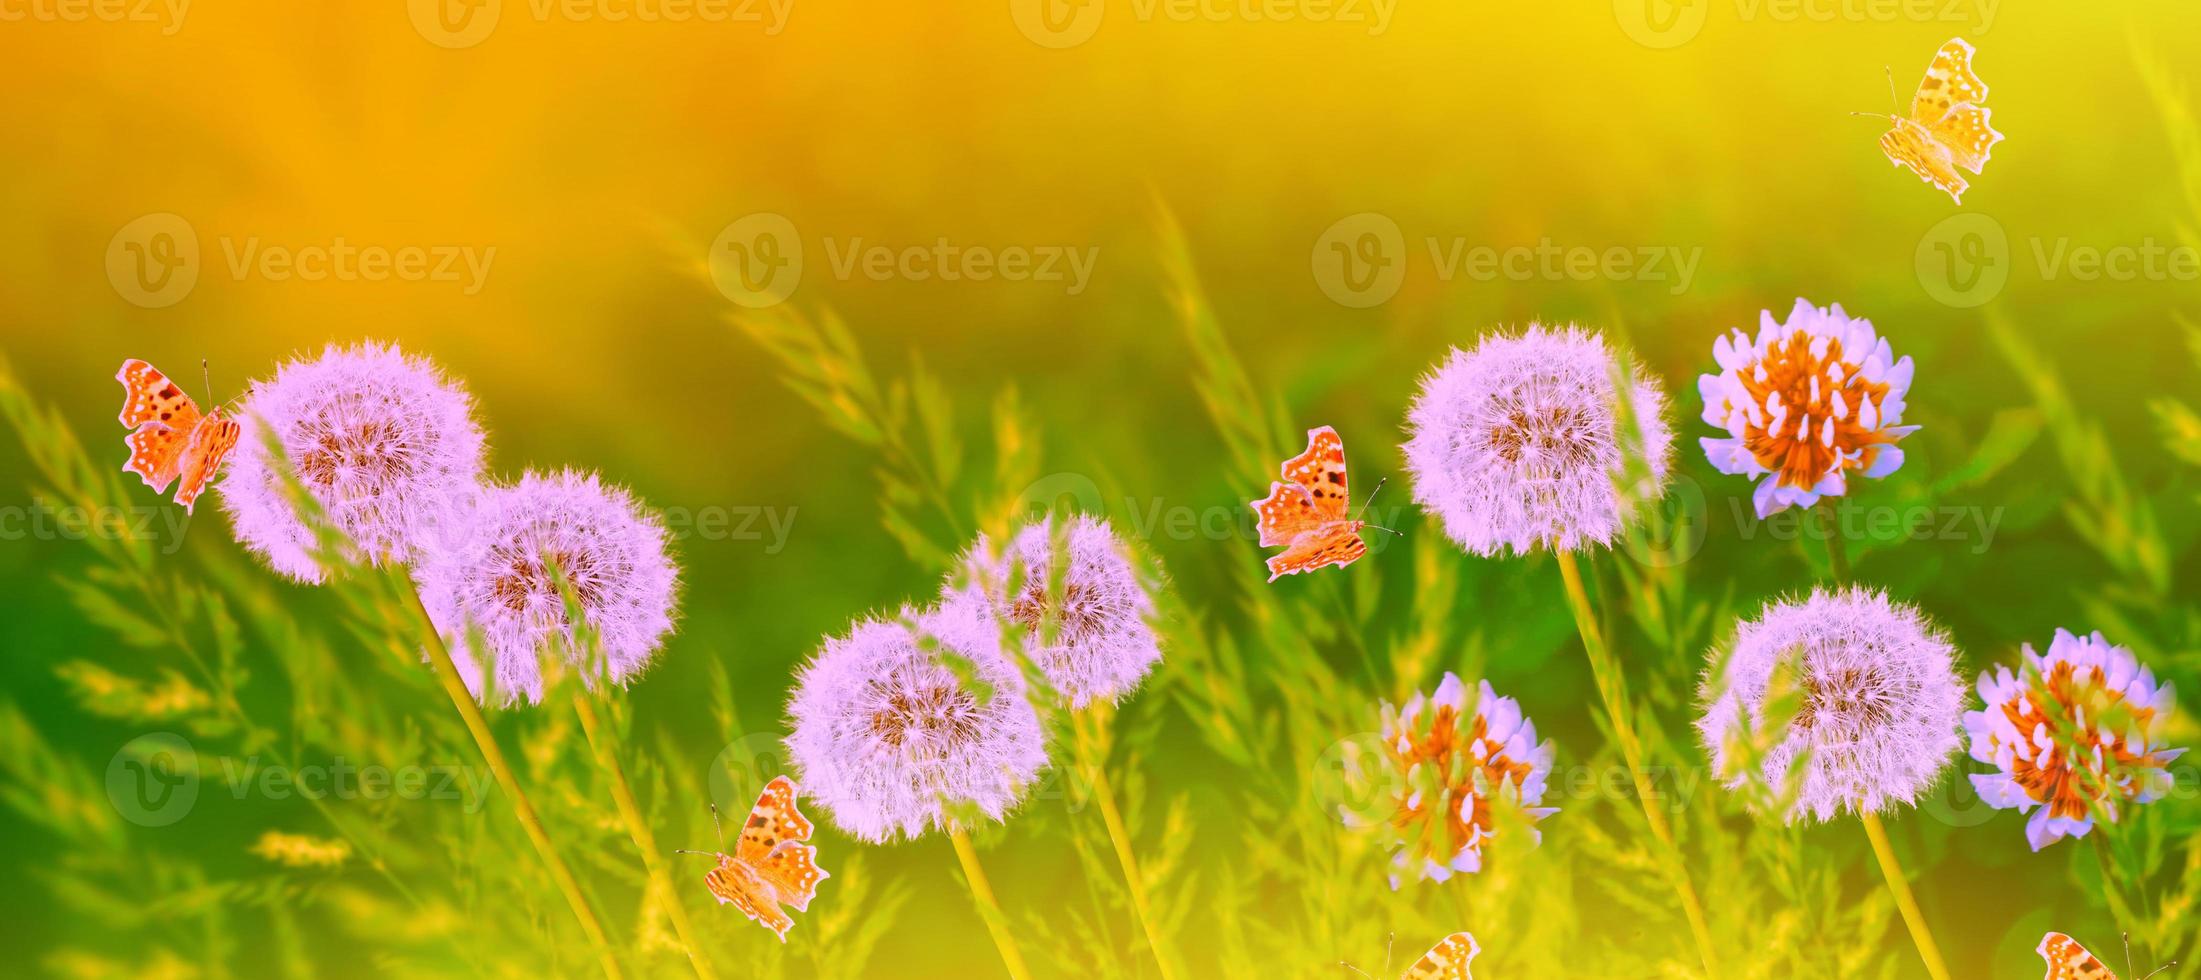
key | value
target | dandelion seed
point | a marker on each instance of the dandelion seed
(1806, 406)
(899, 724)
(1442, 772)
(1516, 443)
(496, 579)
(1103, 643)
(384, 443)
(1879, 701)
(2072, 734)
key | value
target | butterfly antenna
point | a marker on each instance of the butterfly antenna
(2157, 970)
(687, 851)
(1894, 104)
(721, 828)
(1355, 969)
(1372, 499)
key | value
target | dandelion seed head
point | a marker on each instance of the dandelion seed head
(496, 579)
(1807, 405)
(1103, 641)
(384, 443)
(1443, 768)
(2070, 734)
(890, 740)
(1879, 700)
(1515, 443)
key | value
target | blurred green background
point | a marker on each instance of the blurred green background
(595, 168)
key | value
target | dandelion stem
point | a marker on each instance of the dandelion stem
(982, 892)
(1089, 744)
(1892, 869)
(439, 659)
(1837, 549)
(1607, 674)
(639, 830)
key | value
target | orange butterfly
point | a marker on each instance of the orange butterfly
(1445, 961)
(2067, 960)
(1306, 511)
(1947, 127)
(770, 866)
(172, 439)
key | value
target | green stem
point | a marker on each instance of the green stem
(1837, 549)
(1089, 743)
(982, 892)
(638, 829)
(1892, 870)
(1606, 671)
(439, 659)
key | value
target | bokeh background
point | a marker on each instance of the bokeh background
(594, 165)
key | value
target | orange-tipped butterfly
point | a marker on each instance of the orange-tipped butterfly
(770, 865)
(173, 441)
(1445, 961)
(2067, 960)
(1305, 512)
(1947, 126)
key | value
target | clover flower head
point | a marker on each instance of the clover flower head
(2071, 734)
(1878, 699)
(385, 444)
(1517, 443)
(1807, 405)
(495, 581)
(1076, 579)
(1441, 772)
(904, 721)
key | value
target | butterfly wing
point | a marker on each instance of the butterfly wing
(2067, 960)
(1286, 513)
(735, 885)
(210, 443)
(1949, 105)
(1910, 145)
(1333, 544)
(1446, 961)
(1949, 82)
(1321, 469)
(165, 419)
(772, 844)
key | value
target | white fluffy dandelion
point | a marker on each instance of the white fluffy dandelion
(891, 734)
(384, 443)
(1078, 578)
(1807, 405)
(1879, 695)
(1517, 443)
(495, 580)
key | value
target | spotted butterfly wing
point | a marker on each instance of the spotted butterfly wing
(1947, 127)
(770, 866)
(171, 440)
(1306, 511)
(2067, 960)
(1446, 961)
